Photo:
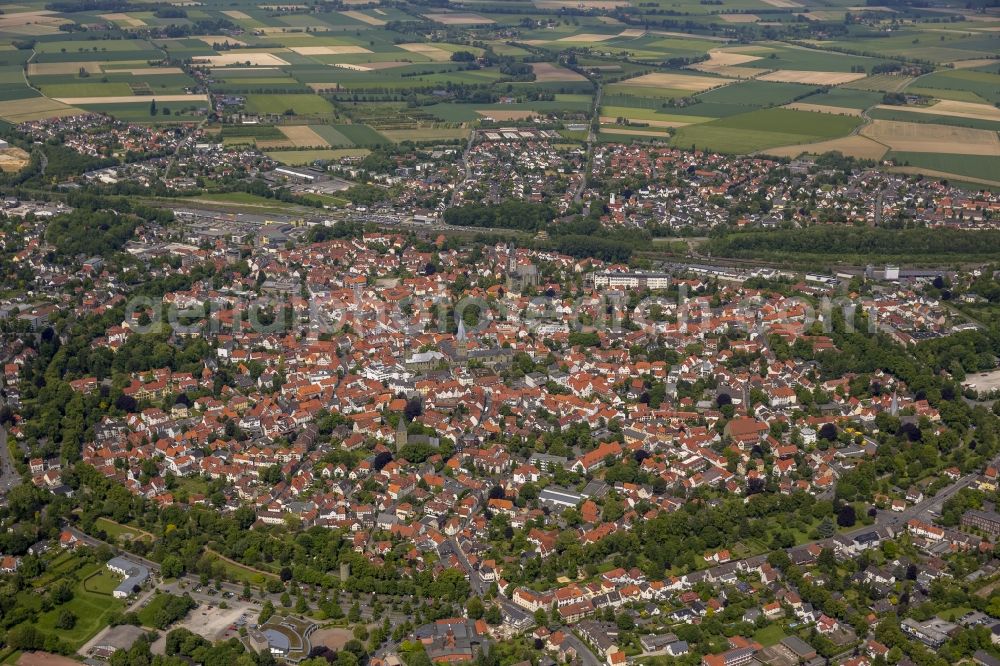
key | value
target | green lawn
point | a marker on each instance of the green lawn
(147, 614)
(769, 635)
(303, 105)
(91, 608)
(103, 582)
(116, 531)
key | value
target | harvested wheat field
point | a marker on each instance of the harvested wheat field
(815, 78)
(824, 108)
(969, 64)
(236, 14)
(852, 146)
(56, 68)
(364, 18)
(512, 114)
(303, 136)
(347, 65)
(34, 108)
(721, 58)
(328, 50)
(458, 18)
(926, 138)
(587, 38)
(432, 52)
(676, 81)
(13, 159)
(38, 22)
(547, 71)
(255, 59)
(784, 4)
(128, 99)
(948, 107)
(632, 32)
(739, 18)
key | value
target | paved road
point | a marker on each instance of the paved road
(583, 652)
(8, 473)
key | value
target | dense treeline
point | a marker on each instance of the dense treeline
(511, 214)
(947, 243)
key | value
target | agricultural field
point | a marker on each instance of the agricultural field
(734, 75)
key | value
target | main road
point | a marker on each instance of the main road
(8, 473)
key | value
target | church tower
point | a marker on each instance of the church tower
(401, 434)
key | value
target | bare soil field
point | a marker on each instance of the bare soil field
(815, 78)
(258, 59)
(132, 98)
(852, 146)
(926, 138)
(969, 64)
(547, 71)
(432, 52)
(458, 18)
(823, 108)
(333, 638)
(586, 38)
(513, 114)
(40, 22)
(303, 136)
(328, 50)
(948, 107)
(676, 81)
(739, 18)
(13, 159)
(364, 18)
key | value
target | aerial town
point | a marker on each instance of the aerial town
(588, 333)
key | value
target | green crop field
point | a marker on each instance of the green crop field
(303, 105)
(768, 128)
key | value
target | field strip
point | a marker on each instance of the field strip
(943, 174)
(56, 68)
(361, 16)
(303, 136)
(261, 59)
(328, 50)
(926, 138)
(852, 146)
(807, 76)
(432, 52)
(652, 123)
(131, 99)
(824, 108)
(951, 108)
